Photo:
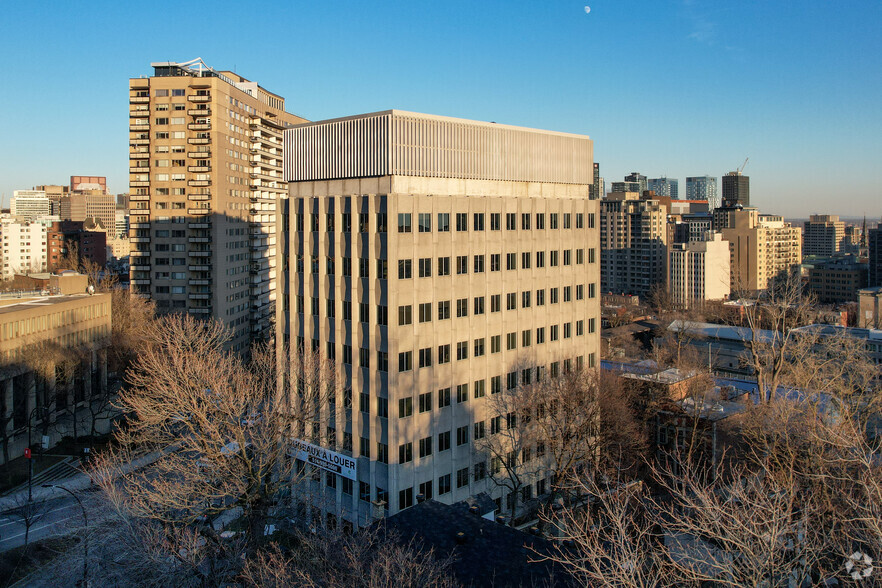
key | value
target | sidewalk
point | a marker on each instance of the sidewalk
(67, 467)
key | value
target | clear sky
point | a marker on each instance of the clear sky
(676, 88)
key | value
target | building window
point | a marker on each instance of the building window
(444, 484)
(479, 264)
(479, 347)
(426, 446)
(462, 435)
(404, 222)
(511, 221)
(443, 397)
(444, 441)
(511, 301)
(405, 269)
(443, 222)
(443, 310)
(405, 453)
(425, 402)
(425, 357)
(426, 490)
(405, 315)
(495, 343)
(495, 262)
(462, 307)
(525, 260)
(405, 407)
(480, 388)
(479, 305)
(425, 267)
(462, 264)
(511, 261)
(511, 341)
(462, 393)
(495, 303)
(462, 221)
(443, 266)
(425, 312)
(444, 354)
(405, 361)
(424, 221)
(478, 221)
(382, 453)
(540, 335)
(405, 498)
(552, 220)
(462, 478)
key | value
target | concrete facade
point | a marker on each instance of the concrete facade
(633, 243)
(762, 247)
(435, 266)
(699, 271)
(823, 235)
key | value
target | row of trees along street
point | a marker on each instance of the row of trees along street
(801, 494)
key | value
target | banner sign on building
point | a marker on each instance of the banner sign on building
(324, 458)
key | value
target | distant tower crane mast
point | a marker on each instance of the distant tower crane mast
(741, 169)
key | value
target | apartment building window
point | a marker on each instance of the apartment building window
(425, 312)
(552, 220)
(591, 325)
(567, 293)
(462, 307)
(424, 220)
(364, 357)
(462, 478)
(511, 301)
(592, 287)
(478, 221)
(553, 292)
(552, 258)
(425, 357)
(591, 220)
(444, 354)
(462, 221)
(161, 121)
(443, 397)
(553, 334)
(495, 384)
(444, 441)
(566, 220)
(580, 292)
(404, 222)
(405, 315)
(592, 360)
(346, 219)
(462, 264)
(425, 446)
(567, 330)
(580, 256)
(425, 267)
(525, 221)
(480, 389)
(347, 354)
(494, 221)
(426, 490)
(443, 222)
(525, 299)
(382, 269)
(525, 260)
(443, 266)
(382, 407)
(511, 261)
(405, 269)
(405, 407)
(495, 425)
(462, 350)
(382, 315)
(381, 222)
(540, 335)
(479, 347)
(495, 262)
(405, 361)
(444, 484)
(382, 454)
(579, 220)
(495, 303)
(511, 221)
(540, 259)
(405, 498)
(479, 264)
(443, 310)
(495, 343)
(511, 341)
(462, 435)
(580, 328)
(462, 393)
(526, 337)
(540, 297)
(479, 305)
(425, 402)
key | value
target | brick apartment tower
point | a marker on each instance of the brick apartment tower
(437, 260)
(205, 180)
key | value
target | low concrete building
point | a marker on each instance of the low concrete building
(870, 308)
(53, 364)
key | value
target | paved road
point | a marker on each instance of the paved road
(53, 517)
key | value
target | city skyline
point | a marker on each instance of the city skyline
(790, 87)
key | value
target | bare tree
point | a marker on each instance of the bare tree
(29, 512)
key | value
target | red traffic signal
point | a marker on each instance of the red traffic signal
(27, 453)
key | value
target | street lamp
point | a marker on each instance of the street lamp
(85, 538)
(28, 452)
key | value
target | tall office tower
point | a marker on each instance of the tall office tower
(205, 179)
(640, 179)
(762, 247)
(596, 184)
(90, 204)
(669, 187)
(437, 260)
(823, 234)
(625, 187)
(874, 253)
(23, 247)
(736, 189)
(699, 271)
(28, 205)
(633, 243)
(703, 188)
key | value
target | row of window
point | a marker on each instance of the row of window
(442, 221)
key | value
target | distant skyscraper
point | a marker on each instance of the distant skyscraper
(639, 178)
(736, 189)
(627, 187)
(874, 244)
(28, 205)
(633, 241)
(703, 188)
(665, 187)
(823, 234)
(596, 192)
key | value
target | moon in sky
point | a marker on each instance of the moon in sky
(587, 9)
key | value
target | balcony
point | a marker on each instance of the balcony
(199, 154)
(199, 112)
(199, 296)
(197, 98)
(199, 126)
(137, 225)
(139, 184)
(200, 310)
(199, 268)
(199, 140)
(198, 168)
(139, 253)
(198, 183)
(139, 155)
(139, 239)
(139, 128)
(139, 141)
(139, 170)
(139, 99)
(140, 282)
(139, 113)
(137, 197)
(199, 225)
(198, 211)
(199, 240)
(198, 196)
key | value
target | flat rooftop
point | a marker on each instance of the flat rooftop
(10, 305)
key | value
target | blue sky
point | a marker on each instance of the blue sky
(687, 87)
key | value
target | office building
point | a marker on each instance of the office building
(703, 188)
(836, 280)
(633, 243)
(435, 267)
(205, 177)
(597, 184)
(23, 247)
(699, 271)
(762, 248)
(736, 189)
(29, 205)
(37, 389)
(92, 204)
(874, 254)
(639, 179)
(823, 235)
(663, 186)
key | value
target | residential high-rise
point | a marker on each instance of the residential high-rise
(663, 186)
(736, 189)
(23, 247)
(699, 271)
(874, 253)
(205, 179)
(633, 242)
(762, 248)
(596, 184)
(625, 187)
(823, 235)
(640, 179)
(29, 205)
(703, 188)
(435, 267)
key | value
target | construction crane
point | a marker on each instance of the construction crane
(741, 169)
